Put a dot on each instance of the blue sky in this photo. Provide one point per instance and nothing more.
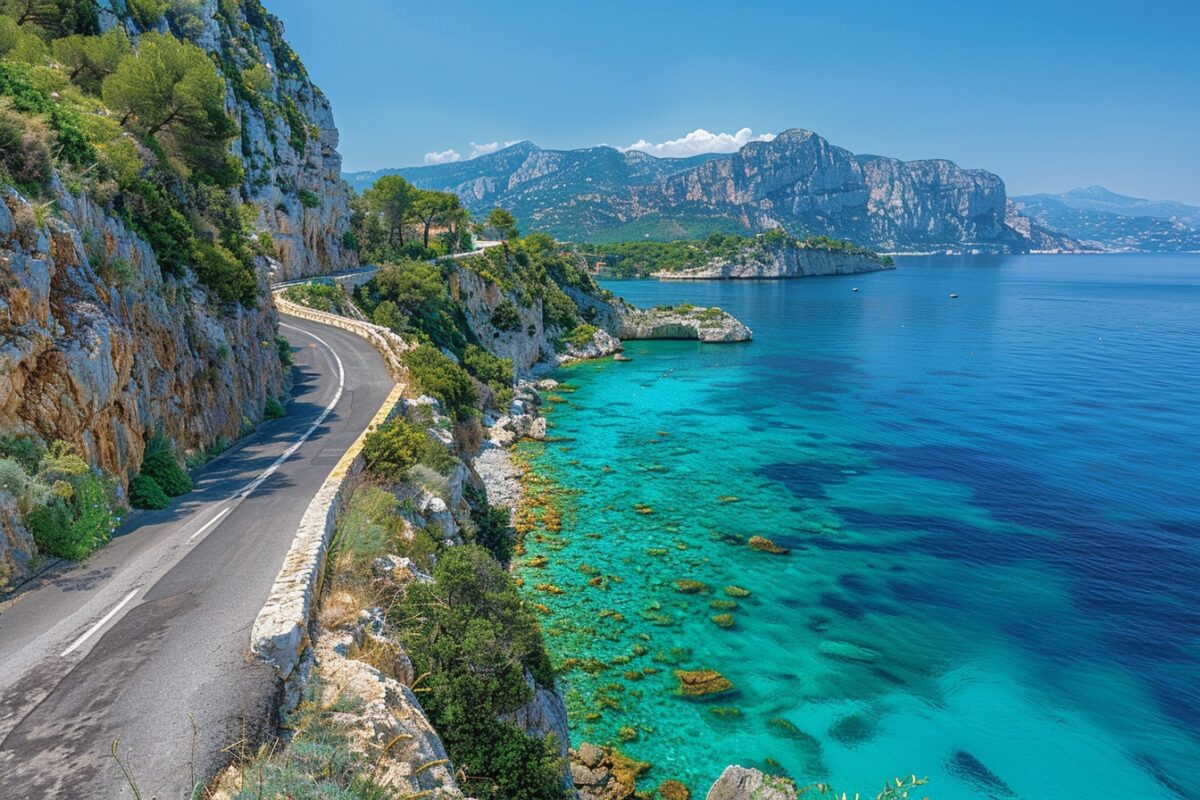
(1049, 95)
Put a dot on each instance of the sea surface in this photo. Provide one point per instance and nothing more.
(993, 510)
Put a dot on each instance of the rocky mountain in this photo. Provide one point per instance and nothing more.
(1105, 220)
(798, 181)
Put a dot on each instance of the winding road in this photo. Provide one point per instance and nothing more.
(148, 641)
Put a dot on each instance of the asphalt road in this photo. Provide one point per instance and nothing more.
(149, 640)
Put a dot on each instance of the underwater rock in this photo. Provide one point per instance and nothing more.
(723, 620)
(737, 591)
(852, 730)
(765, 545)
(972, 770)
(702, 682)
(848, 651)
(686, 586)
(674, 790)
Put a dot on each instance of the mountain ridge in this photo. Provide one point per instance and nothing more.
(797, 181)
(1105, 220)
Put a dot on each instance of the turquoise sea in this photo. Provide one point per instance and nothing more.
(993, 510)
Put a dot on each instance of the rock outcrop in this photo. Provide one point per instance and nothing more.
(288, 141)
(740, 783)
(798, 181)
(682, 322)
(763, 260)
(98, 350)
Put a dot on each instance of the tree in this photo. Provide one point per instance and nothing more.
(504, 224)
(391, 198)
(55, 17)
(170, 91)
(435, 208)
(470, 631)
(91, 59)
(169, 85)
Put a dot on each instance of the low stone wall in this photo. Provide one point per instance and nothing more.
(279, 636)
(389, 344)
(280, 633)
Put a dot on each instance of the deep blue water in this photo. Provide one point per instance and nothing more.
(995, 497)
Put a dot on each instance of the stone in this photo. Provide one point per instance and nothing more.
(590, 755)
(765, 545)
(702, 682)
(740, 783)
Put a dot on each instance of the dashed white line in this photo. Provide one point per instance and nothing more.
(210, 523)
(245, 492)
(328, 409)
(99, 624)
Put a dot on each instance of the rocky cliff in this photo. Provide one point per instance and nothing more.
(785, 260)
(288, 140)
(798, 181)
(98, 349)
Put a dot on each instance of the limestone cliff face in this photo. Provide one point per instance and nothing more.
(288, 143)
(98, 350)
(798, 181)
(288, 140)
(801, 181)
(785, 261)
(526, 344)
(100, 359)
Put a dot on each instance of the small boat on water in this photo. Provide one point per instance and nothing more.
(855, 289)
(953, 296)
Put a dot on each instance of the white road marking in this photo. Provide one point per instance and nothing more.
(249, 488)
(100, 624)
(210, 523)
(328, 409)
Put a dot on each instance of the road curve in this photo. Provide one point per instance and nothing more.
(151, 636)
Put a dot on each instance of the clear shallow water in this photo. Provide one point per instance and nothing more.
(996, 499)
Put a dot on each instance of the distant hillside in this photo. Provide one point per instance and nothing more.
(1108, 221)
(798, 182)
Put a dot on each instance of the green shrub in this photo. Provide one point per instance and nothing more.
(470, 630)
(505, 317)
(308, 198)
(273, 409)
(580, 335)
(440, 377)
(50, 526)
(229, 276)
(496, 372)
(144, 492)
(284, 348)
(492, 525)
(397, 446)
(160, 465)
(321, 295)
(72, 528)
(22, 449)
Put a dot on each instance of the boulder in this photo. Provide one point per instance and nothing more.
(740, 783)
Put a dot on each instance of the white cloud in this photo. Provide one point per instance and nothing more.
(478, 150)
(699, 141)
(444, 157)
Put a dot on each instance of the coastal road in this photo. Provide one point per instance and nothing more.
(149, 640)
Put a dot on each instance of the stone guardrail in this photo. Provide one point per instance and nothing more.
(279, 636)
(389, 344)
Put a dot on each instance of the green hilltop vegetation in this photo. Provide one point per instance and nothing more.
(640, 259)
(142, 130)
